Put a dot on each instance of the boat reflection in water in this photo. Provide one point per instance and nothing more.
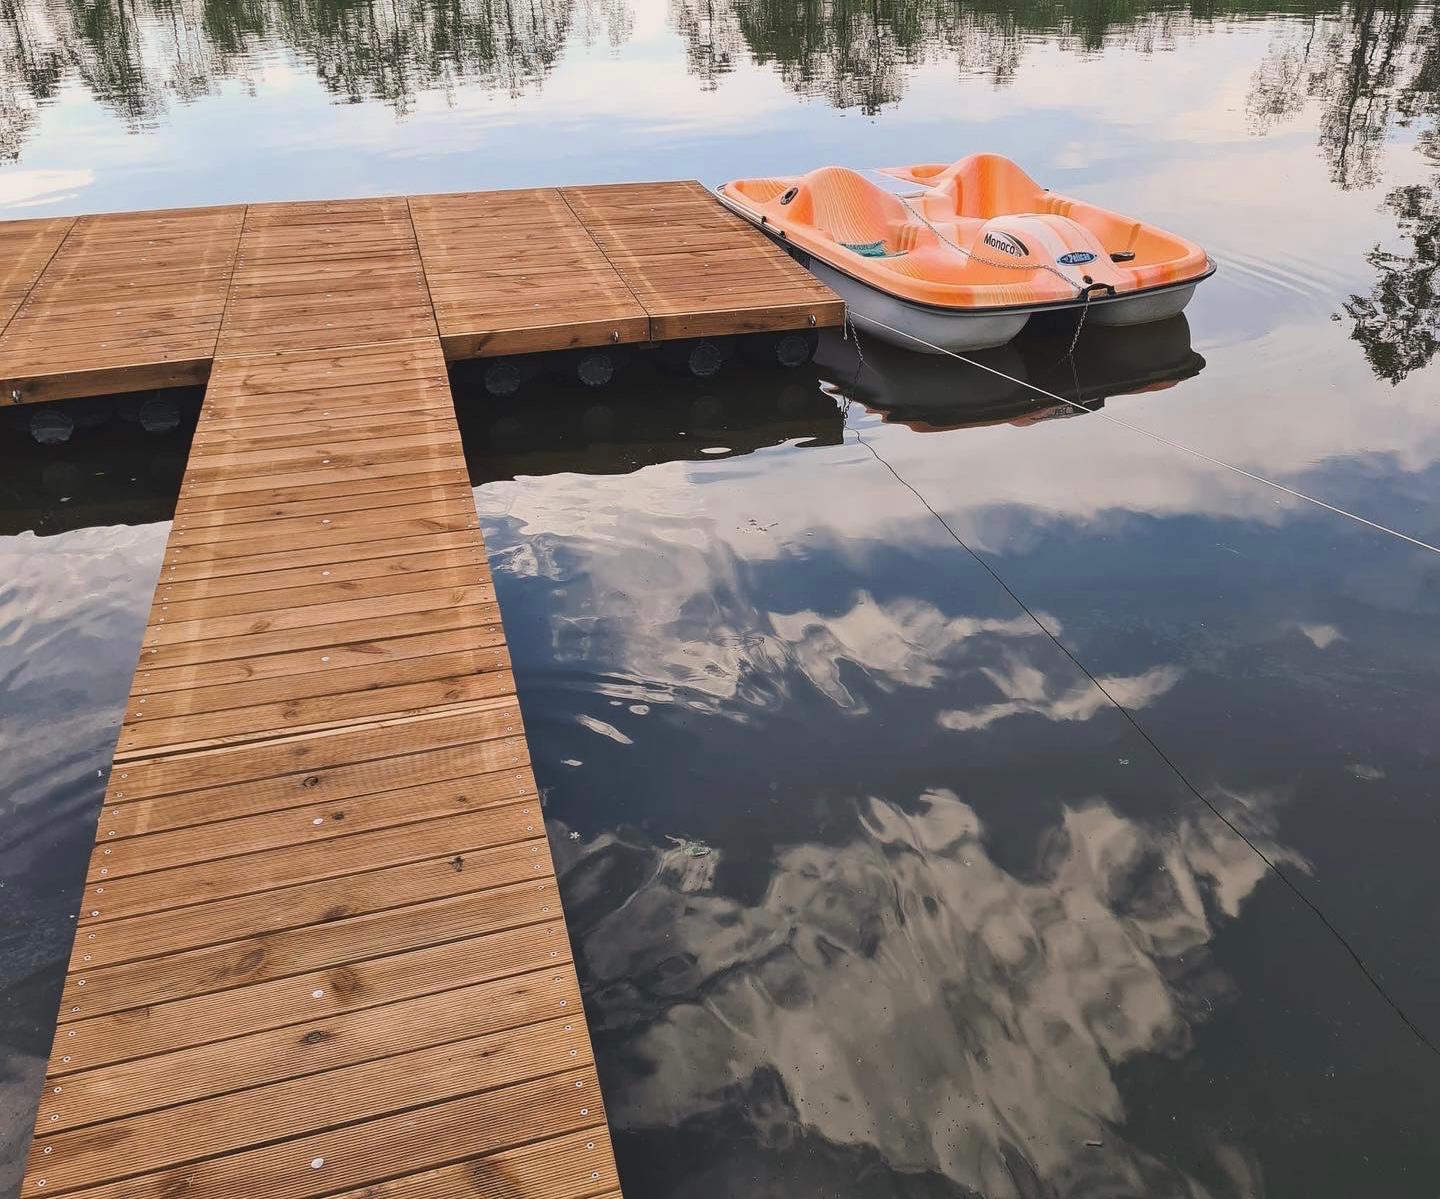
(931, 394)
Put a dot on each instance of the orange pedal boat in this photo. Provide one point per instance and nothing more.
(959, 257)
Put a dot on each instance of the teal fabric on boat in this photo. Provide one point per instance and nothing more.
(870, 249)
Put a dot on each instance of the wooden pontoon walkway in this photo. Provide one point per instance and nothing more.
(97, 304)
(321, 950)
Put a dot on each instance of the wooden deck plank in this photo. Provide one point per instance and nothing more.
(189, 563)
(386, 476)
(232, 519)
(322, 276)
(216, 969)
(26, 248)
(229, 1123)
(166, 1027)
(354, 1155)
(268, 590)
(235, 917)
(320, 700)
(337, 684)
(228, 461)
(214, 870)
(170, 629)
(378, 656)
(320, 591)
(460, 688)
(47, 385)
(428, 449)
(439, 616)
(361, 402)
(321, 785)
(350, 576)
(307, 755)
(578, 1166)
(454, 781)
(367, 1049)
(402, 414)
(337, 535)
(339, 522)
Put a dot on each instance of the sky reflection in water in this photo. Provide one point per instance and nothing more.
(873, 892)
(957, 918)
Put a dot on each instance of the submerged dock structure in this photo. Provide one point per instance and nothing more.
(321, 950)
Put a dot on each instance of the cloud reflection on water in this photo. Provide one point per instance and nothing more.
(909, 994)
(893, 987)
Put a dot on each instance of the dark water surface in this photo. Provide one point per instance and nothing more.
(956, 793)
(875, 890)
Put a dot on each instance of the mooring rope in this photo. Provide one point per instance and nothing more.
(1158, 437)
(1125, 712)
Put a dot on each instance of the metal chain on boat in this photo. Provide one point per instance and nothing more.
(852, 335)
(1080, 324)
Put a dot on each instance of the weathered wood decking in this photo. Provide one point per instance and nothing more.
(321, 949)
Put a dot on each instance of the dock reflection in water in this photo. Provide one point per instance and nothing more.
(873, 891)
(94, 462)
(643, 420)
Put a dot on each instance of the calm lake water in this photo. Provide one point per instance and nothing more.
(956, 793)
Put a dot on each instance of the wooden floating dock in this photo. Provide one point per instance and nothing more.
(321, 950)
(99, 304)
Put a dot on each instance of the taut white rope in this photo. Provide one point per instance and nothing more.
(1163, 440)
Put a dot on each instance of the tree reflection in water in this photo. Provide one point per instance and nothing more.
(1369, 68)
(1369, 64)
(1398, 322)
(849, 54)
(136, 58)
